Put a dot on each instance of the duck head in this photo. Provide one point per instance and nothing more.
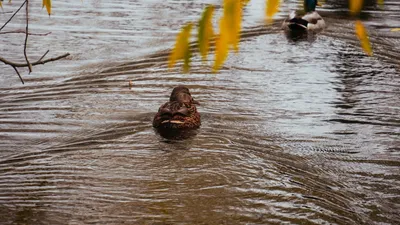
(310, 5)
(179, 113)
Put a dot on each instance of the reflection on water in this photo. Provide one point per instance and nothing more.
(292, 132)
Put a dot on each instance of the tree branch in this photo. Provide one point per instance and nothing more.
(44, 55)
(39, 62)
(23, 32)
(19, 75)
(13, 15)
(28, 64)
(26, 36)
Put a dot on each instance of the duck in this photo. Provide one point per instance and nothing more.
(179, 113)
(308, 20)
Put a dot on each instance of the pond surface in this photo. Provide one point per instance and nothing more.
(300, 132)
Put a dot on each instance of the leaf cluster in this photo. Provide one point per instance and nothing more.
(230, 27)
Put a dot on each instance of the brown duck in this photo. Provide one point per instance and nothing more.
(179, 113)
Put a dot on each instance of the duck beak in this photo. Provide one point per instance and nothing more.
(298, 24)
(172, 121)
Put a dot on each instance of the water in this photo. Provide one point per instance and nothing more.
(292, 132)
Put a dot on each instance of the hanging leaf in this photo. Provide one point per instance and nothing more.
(355, 6)
(237, 25)
(380, 3)
(48, 6)
(205, 31)
(186, 59)
(229, 28)
(272, 7)
(395, 29)
(245, 2)
(43, 3)
(232, 22)
(182, 48)
(321, 3)
(362, 35)
(1, 4)
(221, 45)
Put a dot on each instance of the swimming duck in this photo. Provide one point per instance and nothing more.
(310, 21)
(179, 113)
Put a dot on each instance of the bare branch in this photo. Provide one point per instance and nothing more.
(28, 64)
(15, 13)
(19, 75)
(44, 55)
(23, 32)
(26, 36)
(39, 62)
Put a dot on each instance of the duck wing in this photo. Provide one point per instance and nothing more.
(315, 21)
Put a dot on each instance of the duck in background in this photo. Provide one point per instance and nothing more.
(304, 21)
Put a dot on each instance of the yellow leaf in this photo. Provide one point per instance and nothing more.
(221, 45)
(43, 3)
(272, 7)
(395, 29)
(380, 3)
(362, 35)
(186, 60)
(1, 6)
(205, 31)
(238, 26)
(182, 48)
(355, 6)
(229, 28)
(232, 22)
(48, 6)
(244, 2)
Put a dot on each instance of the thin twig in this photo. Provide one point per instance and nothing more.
(13, 14)
(43, 55)
(23, 32)
(5, 61)
(19, 75)
(26, 36)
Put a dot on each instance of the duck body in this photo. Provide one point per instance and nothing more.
(179, 113)
(309, 20)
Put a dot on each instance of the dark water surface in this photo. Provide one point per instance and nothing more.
(293, 132)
